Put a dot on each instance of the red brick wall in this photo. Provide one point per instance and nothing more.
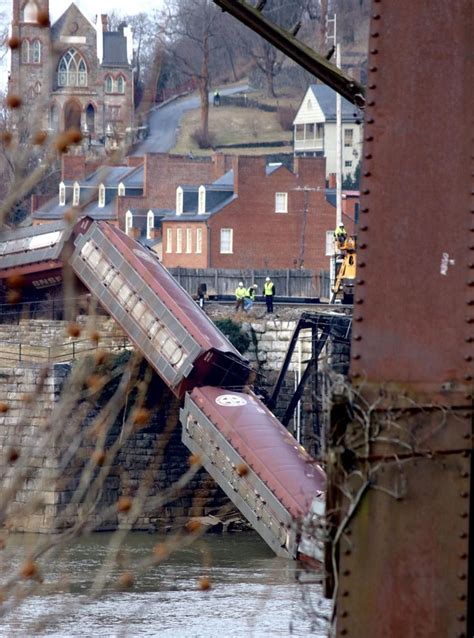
(183, 259)
(263, 238)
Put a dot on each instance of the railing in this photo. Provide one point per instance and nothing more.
(20, 352)
(315, 144)
(56, 309)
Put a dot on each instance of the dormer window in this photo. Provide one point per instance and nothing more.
(62, 194)
(202, 200)
(101, 196)
(179, 201)
(150, 224)
(121, 189)
(76, 192)
(128, 222)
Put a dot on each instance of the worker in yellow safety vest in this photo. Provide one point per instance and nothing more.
(240, 293)
(269, 293)
(340, 234)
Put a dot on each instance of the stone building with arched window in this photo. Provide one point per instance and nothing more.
(77, 73)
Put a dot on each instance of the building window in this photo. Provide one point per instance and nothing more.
(189, 240)
(329, 243)
(199, 240)
(169, 240)
(227, 240)
(72, 70)
(281, 202)
(36, 52)
(202, 200)
(348, 164)
(121, 190)
(128, 222)
(30, 11)
(179, 201)
(109, 84)
(76, 193)
(62, 194)
(120, 84)
(101, 196)
(179, 240)
(348, 137)
(309, 105)
(25, 51)
(150, 224)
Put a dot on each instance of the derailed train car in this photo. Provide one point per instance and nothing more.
(261, 467)
(160, 317)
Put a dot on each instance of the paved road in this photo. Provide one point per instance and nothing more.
(164, 122)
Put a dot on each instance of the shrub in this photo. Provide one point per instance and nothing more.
(202, 140)
(240, 340)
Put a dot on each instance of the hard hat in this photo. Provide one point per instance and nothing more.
(255, 286)
(341, 224)
(267, 279)
(241, 283)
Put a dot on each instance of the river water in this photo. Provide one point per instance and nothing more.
(252, 594)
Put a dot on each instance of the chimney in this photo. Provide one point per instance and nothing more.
(73, 167)
(105, 19)
(247, 170)
(219, 164)
(332, 180)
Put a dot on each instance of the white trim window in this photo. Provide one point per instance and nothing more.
(348, 137)
(101, 196)
(76, 194)
(109, 84)
(36, 52)
(281, 202)
(227, 241)
(179, 201)
(72, 69)
(120, 84)
(198, 241)
(121, 190)
(202, 200)
(189, 240)
(169, 240)
(179, 240)
(150, 224)
(330, 252)
(128, 222)
(62, 194)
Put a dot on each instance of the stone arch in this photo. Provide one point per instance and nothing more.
(72, 114)
(90, 117)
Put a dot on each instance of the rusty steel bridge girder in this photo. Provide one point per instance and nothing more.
(400, 469)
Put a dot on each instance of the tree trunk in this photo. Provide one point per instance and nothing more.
(204, 90)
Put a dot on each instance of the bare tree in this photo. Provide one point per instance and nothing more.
(193, 26)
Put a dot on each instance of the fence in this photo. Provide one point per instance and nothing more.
(296, 283)
(12, 352)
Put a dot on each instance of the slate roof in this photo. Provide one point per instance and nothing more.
(326, 98)
(115, 49)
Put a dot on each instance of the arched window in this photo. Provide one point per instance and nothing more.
(101, 196)
(121, 189)
(54, 118)
(30, 11)
(76, 193)
(128, 222)
(120, 84)
(179, 201)
(62, 194)
(202, 200)
(72, 70)
(36, 52)
(150, 223)
(25, 51)
(109, 84)
(90, 118)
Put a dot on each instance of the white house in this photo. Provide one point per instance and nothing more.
(315, 129)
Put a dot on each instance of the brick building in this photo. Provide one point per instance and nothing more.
(254, 216)
(72, 73)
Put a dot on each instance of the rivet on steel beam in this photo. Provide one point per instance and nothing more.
(468, 358)
(364, 228)
(368, 156)
(468, 377)
(346, 572)
(362, 264)
(470, 302)
(468, 320)
(356, 356)
(370, 120)
(464, 474)
(365, 191)
(345, 593)
(470, 283)
(372, 86)
(374, 51)
(462, 576)
(347, 552)
(465, 453)
(461, 635)
(357, 338)
(466, 436)
(462, 597)
(369, 138)
(463, 535)
(376, 16)
(360, 282)
(344, 614)
(461, 617)
(463, 556)
(375, 34)
(463, 514)
(365, 209)
(359, 301)
(343, 631)
(469, 339)
(362, 246)
(348, 532)
(371, 103)
(359, 319)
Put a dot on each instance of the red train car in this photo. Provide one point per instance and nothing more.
(160, 317)
(270, 477)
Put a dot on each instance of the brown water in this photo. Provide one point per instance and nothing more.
(253, 593)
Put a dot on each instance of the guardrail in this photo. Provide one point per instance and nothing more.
(17, 352)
